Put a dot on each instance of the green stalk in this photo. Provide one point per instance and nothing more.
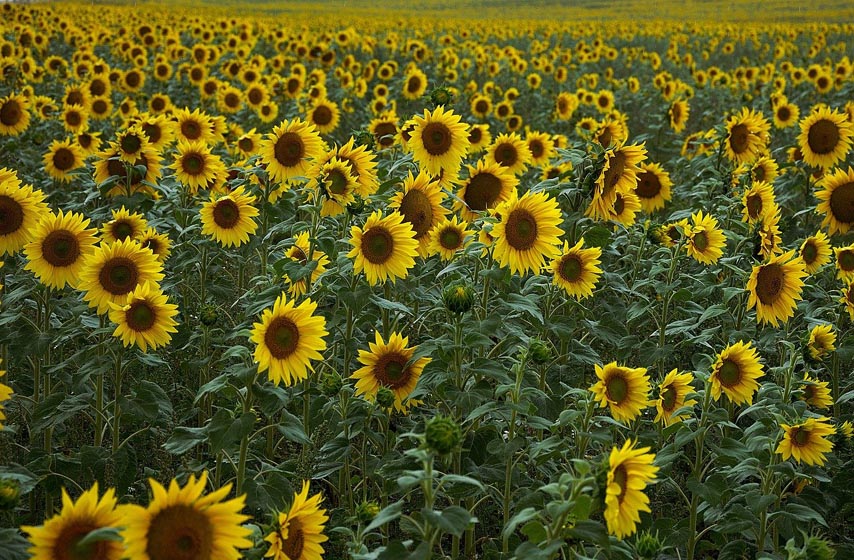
(117, 412)
(244, 442)
(511, 435)
(697, 472)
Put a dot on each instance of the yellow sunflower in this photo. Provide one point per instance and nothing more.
(816, 393)
(184, 522)
(479, 138)
(821, 341)
(747, 136)
(287, 151)
(511, 152)
(130, 143)
(112, 271)
(439, 142)
(63, 157)
(844, 262)
(653, 187)
(415, 84)
(848, 299)
(195, 166)
(385, 248)
(775, 287)
(298, 252)
(335, 184)
(146, 319)
(576, 270)
(14, 115)
(837, 201)
(528, 232)
(619, 175)
(815, 252)
(626, 207)
(58, 538)
(805, 442)
(5, 395)
(21, 209)
(541, 146)
(758, 201)
(324, 115)
(488, 186)
(384, 129)
(768, 231)
(825, 137)
(786, 115)
(420, 203)
(159, 243)
(705, 242)
(287, 339)
(448, 237)
(193, 126)
(228, 218)
(678, 113)
(624, 390)
(124, 225)
(480, 105)
(389, 365)
(764, 169)
(630, 470)
(735, 372)
(75, 119)
(298, 534)
(59, 247)
(672, 393)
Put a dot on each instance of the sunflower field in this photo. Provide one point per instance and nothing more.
(475, 281)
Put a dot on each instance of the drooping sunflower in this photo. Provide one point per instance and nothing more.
(768, 240)
(619, 175)
(14, 115)
(626, 207)
(298, 534)
(528, 232)
(298, 252)
(623, 389)
(287, 151)
(816, 393)
(488, 185)
(704, 240)
(287, 339)
(775, 287)
(420, 203)
(362, 163)
(21, 209)
(630, 470)
(184, 523)
(448, 237)
(228, 218)
(844, 262)
(112, 271)
(735, 372)
(805, 442)
(389, 365)
(747, 136)
(815, 251)
(124, 225)
(672, 393)
(61, 158)
(385, 248)
(653, 186)
(195, 166)
(511, 152)
(837, 201)
(821, 341)
(439, 141)
(159, 243)
(576, 269)
(146, 319)
(825, 137)
(59, 247)
(60, 535)
(758, 201)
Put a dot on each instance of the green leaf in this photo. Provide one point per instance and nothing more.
(453, 520)
(109, 534)
(13, 544)
(291, 427)
(592, 532)
(183, 439)
(386, 516)
(523, 516)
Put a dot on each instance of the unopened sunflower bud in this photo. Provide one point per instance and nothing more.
(539, 351)
(441, 96)
(647, 545)
(10, 490)
(331, 383)
(385, 397)
(442, 434)
(458, 297)
(209, 315)
(367, 511)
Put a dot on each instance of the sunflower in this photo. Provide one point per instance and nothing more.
(146, 169)
(159, 243)
(672, 393)
(769, 242)
(479, 138)
(786, 115)
(844, 262)
(735, 372)
(247, 143)
(420, 203)
(324, 115)
(775, 287)
(825, 137)
(806, 442)
(131, 143)
(653, 186)
(146, 319)
(362, 166)
(297, 252)
(21, 209)
(528, 232)
(480, 106)
(816, 393)
(747, 136)
(626, 207)
(848, 299)
(75, 119)
(5, 395)
(159, 131)
(193, 126)
(389, 365)
(384, 129)
(837, 201)
(112, 271)
(624, 390)
(488, 185)
(63, 157)
(758, 201)
(60, 535)
(576, 270)
(821, 341)
(181, 522)
(678, 113)
(439, 141)
(541, 146)
(334, 183)
(610, 132)
(59, 247)
(14, 115)
(89, 143)
(630, 470)
(124, 225)
(511, 152)
(195, 166)
(385, 248)
(704, 241)
(619, 175)
(288, 149)
(415, 84)
(287, 339)
(228, 218)
(765, 169)
(298, 534)
(448, 237)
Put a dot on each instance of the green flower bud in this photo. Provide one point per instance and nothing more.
(458, 297)
(818, 549)
(648, 545)
(364, 138)
(366, 511)
(539, 351)
(441, 96)
(442, 434)
(10, 490)
(331, 383)
(385, 397)
(209, 315)
(356, 207)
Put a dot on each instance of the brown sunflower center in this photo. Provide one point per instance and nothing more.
(132, 79)
(845, 260)
(377, 245)
(191, 129)
(754, 206)
(282, 337)
(255, 96)
(823, 136)
(437, 138)
(60, 248)
(151, 243)
(418, 211)
(475, 136)
(648, 186)
(619, 205)
(621, 478)
(298, 255)
(322, 115)
(245, 144)
(232, 100)
(450, 238)
(180, 532)
(729, 373)
(784, 113)
(842, 203)
(385, 133)
(152, 132)
(99, 106)
(570, 268)
(481, 106)
(63, 159)
(289, 149)
(800, 436)
(226, 213)
(131, 143)
(668, 398)
(482, 191)
(336, 182)
(193, 164)
(141, 316)
(294, 544)
(521, 229)
(739, 138)
(74, 98)
(809, 392)
(809, 253)
(700, 241)
(506, 155)
(676, 112)
(617, 164)
(617, 388)
(121, 229)
(73, 118)
(11, 112)
(119, 276)
(769, 283)
(67, 545)
(391, 370)
(414, 84)
(759, 173)
(537, 148)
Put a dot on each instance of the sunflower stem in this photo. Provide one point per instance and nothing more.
(117, 411)
(515, 393)
(244, 441)
(697, 472)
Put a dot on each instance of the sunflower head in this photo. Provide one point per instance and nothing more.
(734, 373)
(625, 390)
